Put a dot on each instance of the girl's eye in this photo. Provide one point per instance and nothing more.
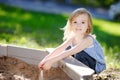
(75, 22)
(83, 22)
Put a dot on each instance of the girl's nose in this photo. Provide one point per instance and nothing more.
(78, 25)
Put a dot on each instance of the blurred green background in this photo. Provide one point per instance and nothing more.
(42, 30)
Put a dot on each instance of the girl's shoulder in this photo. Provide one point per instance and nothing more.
(89, 37)
(93, 36)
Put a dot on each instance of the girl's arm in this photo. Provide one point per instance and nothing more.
(57, 51)
(79, 47)
(60, 48)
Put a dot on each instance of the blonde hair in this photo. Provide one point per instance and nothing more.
(68, 28)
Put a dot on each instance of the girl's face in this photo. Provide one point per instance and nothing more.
(80, 24)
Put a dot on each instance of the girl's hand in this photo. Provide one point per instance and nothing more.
(48, 64)
(40, 65)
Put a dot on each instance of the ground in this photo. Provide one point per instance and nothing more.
(15, 69)
(108, 74)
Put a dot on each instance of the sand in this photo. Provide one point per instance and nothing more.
(15, 69)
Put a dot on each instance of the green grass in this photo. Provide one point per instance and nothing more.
(39, 28)
(42, 30)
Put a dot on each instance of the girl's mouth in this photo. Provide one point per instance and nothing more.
(78, 29)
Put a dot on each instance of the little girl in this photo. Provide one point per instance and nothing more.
(79, 43)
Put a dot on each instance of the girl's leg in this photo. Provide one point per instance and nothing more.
(86, 59)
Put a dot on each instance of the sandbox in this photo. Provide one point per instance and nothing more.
(15, 69)
(18, 63)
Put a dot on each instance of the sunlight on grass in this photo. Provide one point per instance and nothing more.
(17, 28)
(14, 15)
(26, 16)
(2, 24)
(112, 56)
(2, 12)
(111, 61)
(5, 25)
(107, 26)
(22, 41)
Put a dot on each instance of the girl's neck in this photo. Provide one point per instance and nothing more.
(78, 39)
